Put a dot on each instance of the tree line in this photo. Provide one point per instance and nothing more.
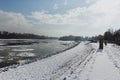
(73, 38)
(112, 36)
(109, 36)
(13, 35)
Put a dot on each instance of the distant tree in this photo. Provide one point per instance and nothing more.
(108, 35)
(78, 38)
(116, 37)
(8, 35)
(73, 38)
(67, 38)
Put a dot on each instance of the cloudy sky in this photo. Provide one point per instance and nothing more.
(60, 17)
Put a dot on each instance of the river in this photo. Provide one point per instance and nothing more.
(22, 53)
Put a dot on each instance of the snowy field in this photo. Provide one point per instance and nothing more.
(83, 62)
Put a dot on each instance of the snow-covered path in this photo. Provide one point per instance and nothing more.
(103, 69)
(84, 62)
(100, 66)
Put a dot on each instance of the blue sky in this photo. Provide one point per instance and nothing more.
(59, 17)
(28, 6)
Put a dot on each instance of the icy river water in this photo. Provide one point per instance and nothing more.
(20, 54)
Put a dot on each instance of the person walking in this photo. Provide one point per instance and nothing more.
(100, 43)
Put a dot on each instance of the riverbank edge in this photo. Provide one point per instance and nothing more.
(34, 60)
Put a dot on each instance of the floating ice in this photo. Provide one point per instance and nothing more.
(22, 49)
(26, 54)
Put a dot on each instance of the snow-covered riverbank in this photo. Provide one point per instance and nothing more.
(83, 62)
(44, 68)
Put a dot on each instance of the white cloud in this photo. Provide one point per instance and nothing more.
(90, 1)
(55, 6)
(101, 11)
(74, 16)
(98, 15)
(13, 22)
(92, 19)
(65, 2)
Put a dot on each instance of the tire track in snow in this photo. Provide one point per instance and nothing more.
(68, 71)
(114, 56)
(104, 69)
(80, 68)
(85, 73)
(96, 66)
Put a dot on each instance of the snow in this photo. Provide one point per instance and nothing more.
(23, 61)
(22, 49)
(104, 69)
(114, 55)
(1, 44)
(26, 54)
(1, 60)
(2, 48)
(101, 69)
(18, 46)
(11, 54)
(83, 62)
(45, 67)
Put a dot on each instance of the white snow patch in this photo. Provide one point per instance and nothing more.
(1, 44)
(22, 61)
(1, 60)
(22, 50)
(11, 54)
(104, 69)
(1, 57)
(18, 46)
(26, 54)
(2, 48)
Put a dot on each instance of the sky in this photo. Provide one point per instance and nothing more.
(59, 17)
